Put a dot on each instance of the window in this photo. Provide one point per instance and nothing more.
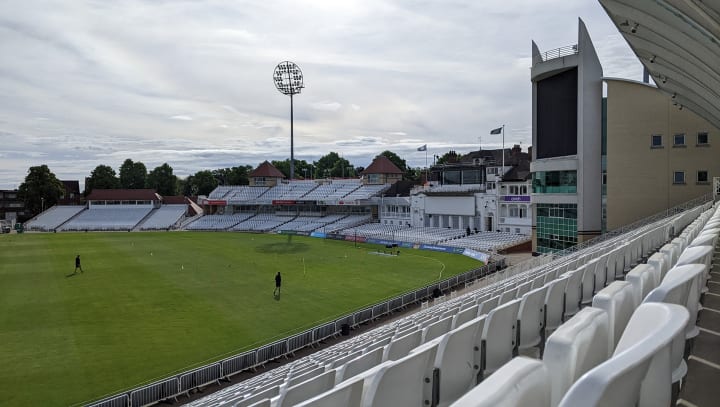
(702, 138)
(656, 141)
(679, 177)
(517, 230)
(679, 140)
(702, 177)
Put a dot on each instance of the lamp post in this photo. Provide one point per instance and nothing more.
(42, 204)
(289, 81)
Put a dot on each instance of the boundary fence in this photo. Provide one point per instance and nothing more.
(183, 383)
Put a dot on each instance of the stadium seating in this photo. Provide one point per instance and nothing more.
(476, 335)
(519, 383)
(118, 217)
(164, 217)
(53, 217)
(218, 222)
(638, 373)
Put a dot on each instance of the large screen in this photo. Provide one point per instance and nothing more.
(557, 115)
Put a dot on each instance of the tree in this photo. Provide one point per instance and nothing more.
(399, 162)
(332, 165)
(233, 176)
(163, 180)
(102, 177)
(301, 168)
(133, 175)
(201, 183)
(41, 189)
(448, 158)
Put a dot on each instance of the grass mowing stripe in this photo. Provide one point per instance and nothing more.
(149, 305)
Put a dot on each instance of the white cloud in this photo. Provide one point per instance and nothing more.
(190, 83)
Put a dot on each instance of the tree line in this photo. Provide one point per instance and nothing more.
(42, 188)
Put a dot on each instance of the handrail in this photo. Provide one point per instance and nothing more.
(556, 53)
(637, 224)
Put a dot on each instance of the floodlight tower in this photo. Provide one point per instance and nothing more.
(289, 81)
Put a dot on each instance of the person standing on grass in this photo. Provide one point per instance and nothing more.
(278, 282)
(77, 264)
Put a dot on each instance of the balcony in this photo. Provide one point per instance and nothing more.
(565, 51)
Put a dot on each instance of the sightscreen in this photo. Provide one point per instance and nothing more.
(557, 115)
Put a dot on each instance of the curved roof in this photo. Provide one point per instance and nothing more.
(678, 41)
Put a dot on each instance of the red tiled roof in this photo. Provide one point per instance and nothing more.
(123, 195)
(267, 170)
(382, 165)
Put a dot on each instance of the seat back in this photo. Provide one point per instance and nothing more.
(405, 382)
(347, 393)
(705, 239)
(618, 301)
(580, 344)
(642, 279)
(639, 372)
(359, 365)
(499, 336)
(464, 316)
(573, 292)
(531, 318)
(401, 346)
(458, 360)
(488, 305)
(307, 389)
(555, 303)
(436, 329)
(588, 283)
(696, 255)
(671, 254)
(520, 382)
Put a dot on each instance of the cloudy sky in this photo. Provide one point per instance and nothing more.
(189, 82)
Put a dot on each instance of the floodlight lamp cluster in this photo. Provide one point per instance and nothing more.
(288, 78)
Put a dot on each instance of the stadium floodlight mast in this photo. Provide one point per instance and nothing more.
(289, 81)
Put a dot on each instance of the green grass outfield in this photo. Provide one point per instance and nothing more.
(150, 305)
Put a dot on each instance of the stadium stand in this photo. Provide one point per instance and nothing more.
(463, 350)
(118, 218)
(244, 194)
(218, 222)
(165, 217)
(53, 218)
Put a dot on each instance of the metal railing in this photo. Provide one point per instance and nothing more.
(556, 53)
(693, 203)
(183, 383)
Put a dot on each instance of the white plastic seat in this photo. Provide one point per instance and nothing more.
(671, 254)
(358, 365)
(612, 268)
(531, 320)
(488, 305)
(523, 289)
(458, 360)
(405, 382)
(499, 337)
(347, 393)
(698, 255)
(436, 329)
(676, 288)
(642, 279)
(587, 284)
(580, 344)
(660, 266)
(639, 372)
(618, 300)
(307, 389)
(555, 304)
(705, 239)
(401, 346)
(519, 383)
(573, 292)
(464, 316)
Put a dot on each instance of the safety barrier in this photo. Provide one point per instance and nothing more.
(239, 363)
(162, 390)
(200, 377)
(183, 383)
